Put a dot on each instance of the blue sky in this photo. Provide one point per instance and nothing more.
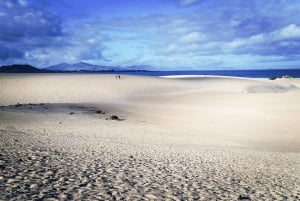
(166, 34)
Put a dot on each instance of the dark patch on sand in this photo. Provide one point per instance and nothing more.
(114, 118)
(59, 108)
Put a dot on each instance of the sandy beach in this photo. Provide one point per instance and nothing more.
(94, 137)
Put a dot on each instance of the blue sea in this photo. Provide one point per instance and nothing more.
(239, 73)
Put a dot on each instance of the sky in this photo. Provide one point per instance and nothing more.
(164, 34)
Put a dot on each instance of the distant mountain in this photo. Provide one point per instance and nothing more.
(58, 66)
(81, 66)
(20, 68)
(70, 68)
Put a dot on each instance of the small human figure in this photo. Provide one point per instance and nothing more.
(119, 76)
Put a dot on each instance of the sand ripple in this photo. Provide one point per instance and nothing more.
(123, 171)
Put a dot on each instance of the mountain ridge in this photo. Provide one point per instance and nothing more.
(21, 68)
(82, 66)
(66, 68)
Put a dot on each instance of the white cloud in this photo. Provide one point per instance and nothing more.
(192, 37)
(288, 32)
(187, 2)
(23, 2)
(8, 4)
(259, 43)
(190, 48)
(253, 40)
(170, 48)
(291, 31)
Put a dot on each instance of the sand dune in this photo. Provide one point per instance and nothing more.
(94, 88)
(179, 138)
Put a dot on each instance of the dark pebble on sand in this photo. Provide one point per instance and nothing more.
(2, 165)
(99, 112)
(244, 197)
(83, 185)
(113, 117)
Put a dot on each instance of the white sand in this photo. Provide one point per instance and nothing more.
(181, 138)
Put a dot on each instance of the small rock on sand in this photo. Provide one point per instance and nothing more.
(150, 196)
(33, 186)
(113, 117)
(99, 112)
(244, 197)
